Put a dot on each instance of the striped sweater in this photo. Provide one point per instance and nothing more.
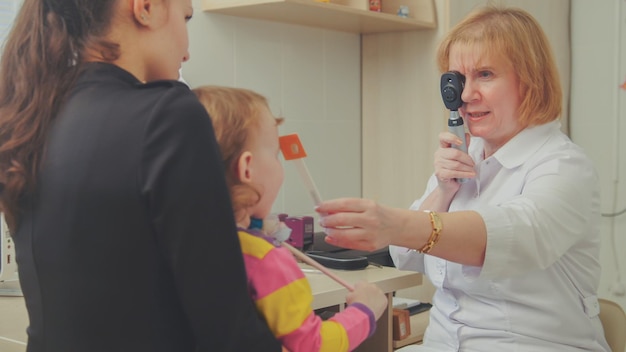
(283, 297)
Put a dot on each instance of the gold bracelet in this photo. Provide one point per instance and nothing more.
(435, 222)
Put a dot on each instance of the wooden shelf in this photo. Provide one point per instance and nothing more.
(326, 15)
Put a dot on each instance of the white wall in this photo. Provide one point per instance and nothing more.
(598, 118)
(312, 77)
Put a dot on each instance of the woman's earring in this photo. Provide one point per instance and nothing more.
(143, 17)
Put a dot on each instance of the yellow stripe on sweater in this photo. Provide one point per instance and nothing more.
(286, 308)
(334, 337)
(254, 246)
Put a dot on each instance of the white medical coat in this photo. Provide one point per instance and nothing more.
(536, 291)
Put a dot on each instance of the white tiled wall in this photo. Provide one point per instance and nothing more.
(311, 76)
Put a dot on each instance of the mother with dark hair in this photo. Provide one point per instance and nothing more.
(113, 187)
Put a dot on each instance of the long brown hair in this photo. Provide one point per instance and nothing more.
(516, 36)
(41, 60)
(235, 113)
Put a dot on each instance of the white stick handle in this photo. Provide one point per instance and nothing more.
(308, 181)
(317, 266)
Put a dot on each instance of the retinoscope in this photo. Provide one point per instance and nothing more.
(452, 84)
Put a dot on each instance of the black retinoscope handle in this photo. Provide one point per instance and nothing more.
(452, 84)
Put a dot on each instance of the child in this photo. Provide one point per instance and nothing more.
(247, 134)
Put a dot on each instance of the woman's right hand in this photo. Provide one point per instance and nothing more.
(451, 163)
(369, 295)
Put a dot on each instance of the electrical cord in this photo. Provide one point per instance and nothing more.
(612, 215)
(617, 288)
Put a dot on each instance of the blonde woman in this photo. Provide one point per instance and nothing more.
(514, 252)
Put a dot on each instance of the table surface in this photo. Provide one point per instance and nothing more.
(326, 293)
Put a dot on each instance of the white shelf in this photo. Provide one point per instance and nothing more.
(326, 15)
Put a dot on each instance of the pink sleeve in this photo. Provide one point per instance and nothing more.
(283, 296)
(359, 322)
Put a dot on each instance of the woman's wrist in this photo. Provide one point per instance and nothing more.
(438, 200)
(415, 230)
(437, 227)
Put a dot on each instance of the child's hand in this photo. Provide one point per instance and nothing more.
(369, 295)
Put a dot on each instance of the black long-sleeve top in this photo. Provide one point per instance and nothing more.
(128, 242)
